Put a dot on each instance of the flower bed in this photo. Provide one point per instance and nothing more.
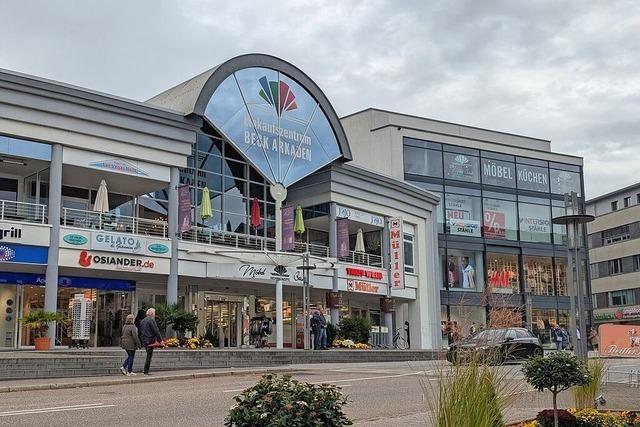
(584, 418)
(349, 344)
(191, 343)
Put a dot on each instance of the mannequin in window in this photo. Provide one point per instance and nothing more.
(468, 274)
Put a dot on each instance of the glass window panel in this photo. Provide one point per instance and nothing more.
(461, 167)
(498, 172)
(215, 222)
(209, 145)
(561, 276)
(235, 169)
(235, 187)
(236, 205)
(420, 161)
(535, 223)
(499, 219)
(559, 231)
(463, 214)
(255, 176)
(565, 182)
(533, 178)
(464, 270)
(503, 272)
(235, 223)
(210, 180)
(256, 190)
(538, 275)
(210, 163)
(271, 211)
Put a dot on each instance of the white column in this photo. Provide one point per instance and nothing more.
(172, 280)
(279, 194)
(279, 317)
(333, 252)
(388, 322)
(54, 208)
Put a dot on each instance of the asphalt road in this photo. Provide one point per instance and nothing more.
(381, 394)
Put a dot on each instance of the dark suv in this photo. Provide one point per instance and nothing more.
(496, 346)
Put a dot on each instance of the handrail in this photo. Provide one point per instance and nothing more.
(23, 212)
(312, 249)
(112, 222)
(362, 258)
(210, 236)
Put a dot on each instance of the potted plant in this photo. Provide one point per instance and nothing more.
(38, 321)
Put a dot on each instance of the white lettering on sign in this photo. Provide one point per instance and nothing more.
(397, 253)
(295, 144)
(496, 171)
(359, 216)
(527, 175)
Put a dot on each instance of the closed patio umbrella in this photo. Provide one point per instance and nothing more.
(205, 205)
(102, 198)
(359, 241)
(298, 223)
(255, 221)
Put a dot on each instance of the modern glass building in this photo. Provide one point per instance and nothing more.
(500, 257)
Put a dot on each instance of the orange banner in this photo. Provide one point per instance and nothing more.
(620, 340)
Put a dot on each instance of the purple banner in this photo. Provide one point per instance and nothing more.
(184, 209)
(288, 241)
(342, 225)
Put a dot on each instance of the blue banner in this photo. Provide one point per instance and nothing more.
(10, 253)
(68, 281)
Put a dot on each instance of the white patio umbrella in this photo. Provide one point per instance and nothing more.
(102, 198)
(359, 241)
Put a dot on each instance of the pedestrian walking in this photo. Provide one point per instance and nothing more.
(558, 338)
(323, 332)
(150, 335)
(130, 343)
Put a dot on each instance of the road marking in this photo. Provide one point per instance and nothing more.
(54, 409)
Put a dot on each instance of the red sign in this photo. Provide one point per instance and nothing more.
(397, 253)
(494, 224)
(362, 286)
(361, 272)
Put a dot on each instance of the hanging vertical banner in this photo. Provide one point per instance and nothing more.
(288, 241)
(397, 253)
(342, 226)
(184, 209)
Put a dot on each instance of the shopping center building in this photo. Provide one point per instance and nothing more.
(500, 256)
(246, 136)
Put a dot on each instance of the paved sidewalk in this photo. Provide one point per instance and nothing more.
(97, 381)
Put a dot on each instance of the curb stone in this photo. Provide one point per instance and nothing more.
(177, 377)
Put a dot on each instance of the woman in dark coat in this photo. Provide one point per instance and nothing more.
(130, 343)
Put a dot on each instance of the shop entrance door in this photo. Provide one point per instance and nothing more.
(9, 311)
(223, 322)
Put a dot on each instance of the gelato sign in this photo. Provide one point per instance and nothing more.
(111, 242)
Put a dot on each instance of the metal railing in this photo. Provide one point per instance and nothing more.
(362, 258)
(111, 222)
(23, 212)
(312, 249)
(622, 375)
(210, 236)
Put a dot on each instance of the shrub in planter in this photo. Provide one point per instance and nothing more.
(332, 332)
(282, 401)
(356, 329)
(565, 418)
(39, 321)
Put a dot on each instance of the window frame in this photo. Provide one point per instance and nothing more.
(409, 239)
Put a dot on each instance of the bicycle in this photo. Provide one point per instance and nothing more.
(399, 341)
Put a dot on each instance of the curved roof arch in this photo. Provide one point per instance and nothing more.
(287, 114)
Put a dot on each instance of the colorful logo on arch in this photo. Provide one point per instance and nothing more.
(278, 94)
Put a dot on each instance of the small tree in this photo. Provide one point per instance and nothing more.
(356, 329)
(177, 317)
(558, 372)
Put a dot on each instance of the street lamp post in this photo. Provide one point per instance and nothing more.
(306, 269)
(573, 220)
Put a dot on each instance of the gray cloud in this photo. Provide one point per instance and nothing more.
(560, 70)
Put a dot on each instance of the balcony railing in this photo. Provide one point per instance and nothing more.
(227, 238)
(363, 259)
(316, 250)
(23, 212)
(114, 223)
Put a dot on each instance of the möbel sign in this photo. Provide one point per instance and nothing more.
(397, 253)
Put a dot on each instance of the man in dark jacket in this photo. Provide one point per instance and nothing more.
(149, 335)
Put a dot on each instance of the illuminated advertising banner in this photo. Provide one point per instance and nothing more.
(274, 122)
(397, 253)
(619, 340)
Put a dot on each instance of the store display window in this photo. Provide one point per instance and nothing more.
(464, 215)
(499, 219)
(535, 223)
(542, 322)
(461, 167)
(561, 276)
(538, 275)
(503, 273)
(463, 270)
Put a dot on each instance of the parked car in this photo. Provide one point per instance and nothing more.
(496, 346)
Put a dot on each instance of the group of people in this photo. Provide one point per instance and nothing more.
(319, 323)
(138, 332)
(561, 337)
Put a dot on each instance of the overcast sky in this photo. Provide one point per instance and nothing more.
(567, 71)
